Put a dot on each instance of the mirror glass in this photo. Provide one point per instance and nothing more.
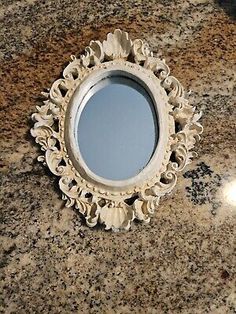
(117, 130)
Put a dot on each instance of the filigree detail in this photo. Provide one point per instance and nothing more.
(94, 54)
(158, 67)
(141, 51)
(93, 200)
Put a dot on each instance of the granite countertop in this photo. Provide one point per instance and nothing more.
(184, 260)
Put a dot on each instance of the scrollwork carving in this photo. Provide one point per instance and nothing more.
(93, 200)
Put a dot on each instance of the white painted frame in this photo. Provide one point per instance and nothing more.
(79, 100)
(115, 203)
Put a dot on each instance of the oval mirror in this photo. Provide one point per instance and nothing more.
(116, 129)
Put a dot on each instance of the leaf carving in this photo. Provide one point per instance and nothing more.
(140, 51)
(94, 54)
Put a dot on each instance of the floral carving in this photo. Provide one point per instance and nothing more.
(115, 209)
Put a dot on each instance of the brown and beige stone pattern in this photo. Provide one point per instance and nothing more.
(184, 261)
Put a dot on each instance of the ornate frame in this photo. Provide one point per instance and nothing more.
(116, 203)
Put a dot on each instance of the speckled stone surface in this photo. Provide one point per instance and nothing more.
(185, 260)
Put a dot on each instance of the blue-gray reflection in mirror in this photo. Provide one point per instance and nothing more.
(118, 130)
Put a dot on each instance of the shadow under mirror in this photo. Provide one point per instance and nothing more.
(117, 131)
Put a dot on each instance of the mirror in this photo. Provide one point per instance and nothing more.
(117, 129)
